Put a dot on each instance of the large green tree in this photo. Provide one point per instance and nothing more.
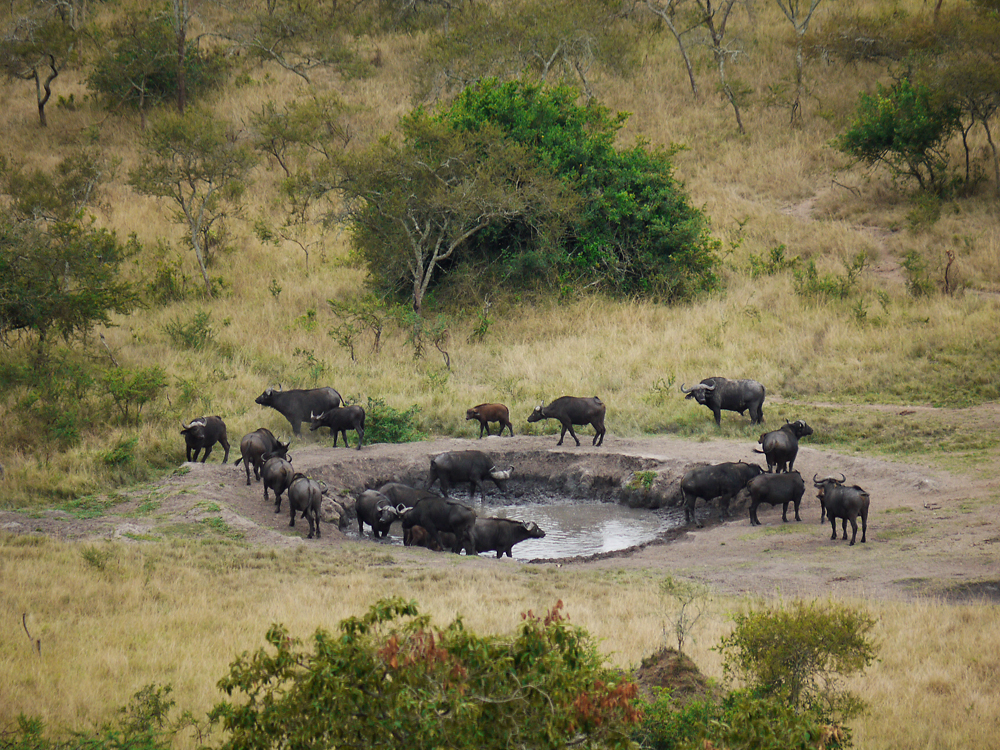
(416, 204)
(635, 233)
(61, 279)
(137, 66)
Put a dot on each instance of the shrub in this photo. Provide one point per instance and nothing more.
(799, 653)
(384, 424)
(743, 720)
(195, 334)
(131, 390)
(389, 679)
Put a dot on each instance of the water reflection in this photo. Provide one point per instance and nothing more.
(577, 529)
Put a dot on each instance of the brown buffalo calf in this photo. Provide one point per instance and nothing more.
(487, 413)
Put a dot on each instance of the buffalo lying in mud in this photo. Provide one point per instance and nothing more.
(847, 503)
(722, 481)
(296, 405)
(204, 432)
(781, 446)
(722, 394)
(571, 410)
(776, 489)
(255, 446)
(340, 420)
(474, 467)
(486, 413)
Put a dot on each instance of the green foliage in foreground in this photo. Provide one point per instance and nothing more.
(390, 679)
(385, 424)
(743, 720)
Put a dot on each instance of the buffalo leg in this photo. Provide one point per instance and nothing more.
(291, 507)
(854, 530)
(784, 513)
(572, 435)
(754, 521)
(797, 512)
(864, 527)
(844, 527)
(833, 525)
(361, 439)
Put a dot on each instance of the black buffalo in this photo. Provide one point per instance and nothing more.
(376, 510)
(204, 432)
(501, 534)
(474, 467)
(255, 446)
(439, 515)
(340, 420)
(276, 475)
(571, 410)
(776, 489)
(402, 494)
(722, 481)
(781, 446)
(847, 503)
(305, 496)
(296, 405)
(720, 394)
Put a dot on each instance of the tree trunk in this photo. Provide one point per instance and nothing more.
(180, 16)
(43, 90)
(996, 157)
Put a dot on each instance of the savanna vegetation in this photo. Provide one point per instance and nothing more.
(428, 205)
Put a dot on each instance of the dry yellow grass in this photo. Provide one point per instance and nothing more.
(179, 614)
(112, 618)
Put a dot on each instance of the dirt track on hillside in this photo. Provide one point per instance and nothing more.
(929, 533)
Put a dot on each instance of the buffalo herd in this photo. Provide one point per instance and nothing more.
(440, 522)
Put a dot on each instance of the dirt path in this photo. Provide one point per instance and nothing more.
(930, 532)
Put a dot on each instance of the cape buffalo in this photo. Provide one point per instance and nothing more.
(776, 489)
(722, 481)
(474, 467)
(305, 495)
(486, 413)
(340, 420)
(720, 394)
(501, 534)
(847, 503)
(571, 410)
(781, 446)
(296, 405)
(418, 536)
(277, 475)
(204, 432)
(439, 515)
(402, 494)
(376, 510)
(254, 446)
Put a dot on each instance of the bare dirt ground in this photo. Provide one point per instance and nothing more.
(930, 533)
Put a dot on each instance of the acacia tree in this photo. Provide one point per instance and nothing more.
(413, 205)
(799, 17)
(715, 19)
(671, 12)
(38, 44)
(202, 167)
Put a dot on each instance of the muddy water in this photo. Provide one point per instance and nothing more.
(574, 529)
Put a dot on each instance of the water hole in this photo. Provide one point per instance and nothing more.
(573, 527)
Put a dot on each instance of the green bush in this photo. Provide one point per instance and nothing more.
(799, 653)
(384, 424)
(131, 390)
(636, 231)
(741, 721)
(906, 128)
(196, 333)
(390, 679)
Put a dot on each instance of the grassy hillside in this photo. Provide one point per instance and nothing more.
(828, 360)
(778, 186)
